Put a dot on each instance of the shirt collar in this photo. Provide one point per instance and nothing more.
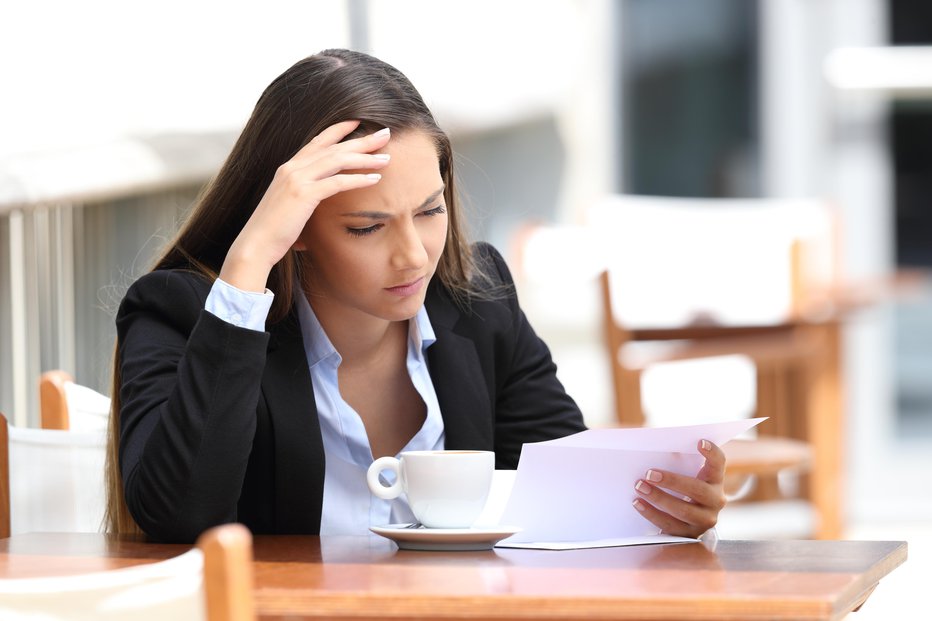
(318, 345)
(316, 342)
(420, 331)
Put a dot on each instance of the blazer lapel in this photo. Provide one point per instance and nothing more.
(456, 373)
(299, 449)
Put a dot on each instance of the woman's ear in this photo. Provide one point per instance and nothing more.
(299, 246)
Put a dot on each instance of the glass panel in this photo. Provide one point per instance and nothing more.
(689, 92)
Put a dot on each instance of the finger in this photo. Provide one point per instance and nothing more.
(332, 163)
(368, 143)
(687, 511)
(713, 470)
(664, 521)
(333, 136)
(686, 487)
(325, 188)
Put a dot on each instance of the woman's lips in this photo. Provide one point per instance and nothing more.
(407, 289)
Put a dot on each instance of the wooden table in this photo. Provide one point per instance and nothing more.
(369, 578)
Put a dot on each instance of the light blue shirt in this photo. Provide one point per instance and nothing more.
(348, 506)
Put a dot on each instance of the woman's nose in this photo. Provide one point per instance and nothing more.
(409, 251)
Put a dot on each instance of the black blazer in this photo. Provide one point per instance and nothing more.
(219, 423)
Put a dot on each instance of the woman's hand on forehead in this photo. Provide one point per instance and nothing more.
(322, 168)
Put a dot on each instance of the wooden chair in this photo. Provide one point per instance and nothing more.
(63, 404)
(227, 568)
(213, 582)
(51, 480)
(775, 355)
(228, 573)
(53, 399)
(795, 357)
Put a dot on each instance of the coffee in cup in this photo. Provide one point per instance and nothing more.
(445, 489)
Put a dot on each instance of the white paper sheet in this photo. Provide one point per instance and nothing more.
(598, 543)
(577, 491)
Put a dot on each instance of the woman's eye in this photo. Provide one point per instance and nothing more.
(436, 211)
(363, 231)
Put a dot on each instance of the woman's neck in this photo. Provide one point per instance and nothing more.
(359, 338)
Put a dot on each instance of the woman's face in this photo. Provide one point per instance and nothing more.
(374, 250)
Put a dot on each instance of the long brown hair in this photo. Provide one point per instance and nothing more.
(321, 90)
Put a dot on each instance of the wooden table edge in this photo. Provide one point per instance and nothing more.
(283, 603)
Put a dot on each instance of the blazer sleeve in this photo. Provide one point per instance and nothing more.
(189, 388)
(531, 404)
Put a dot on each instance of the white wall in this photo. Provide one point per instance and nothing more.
(90, 71)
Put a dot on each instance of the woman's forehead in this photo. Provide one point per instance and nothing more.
(411, 178)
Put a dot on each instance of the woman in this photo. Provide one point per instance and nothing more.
(322, 307)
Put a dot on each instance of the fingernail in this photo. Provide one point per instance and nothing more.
(653, 475)
(638, 505)
(642, 487)
(382, 156)
(383, 132)
(705, 445)
(374, 176)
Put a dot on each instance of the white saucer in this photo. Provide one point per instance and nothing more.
(482, 538)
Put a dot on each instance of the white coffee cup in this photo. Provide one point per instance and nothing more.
(445, 489)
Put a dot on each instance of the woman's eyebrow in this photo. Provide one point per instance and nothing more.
(381, 215)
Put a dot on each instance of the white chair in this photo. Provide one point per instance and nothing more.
(64, 404)
(55, 480)
(212, 582)
(659, 264)
(706, 299)
(724, 262)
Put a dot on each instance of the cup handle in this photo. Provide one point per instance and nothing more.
(375, 485)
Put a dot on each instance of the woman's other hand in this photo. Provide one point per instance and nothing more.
(682, 505)
(315, 173)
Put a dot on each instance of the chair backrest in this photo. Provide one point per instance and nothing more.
(161, 590)
(680, 261)
(53, 400)
(228, 573)
(697, 294)
(212, 582)
(54, 480)
(63, 404)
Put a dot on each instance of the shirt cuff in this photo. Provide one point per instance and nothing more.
(244, 309)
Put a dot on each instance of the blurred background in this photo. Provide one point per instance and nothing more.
(114, 115)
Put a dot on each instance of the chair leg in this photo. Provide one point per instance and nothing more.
(630, 410)
(825, 430)
(769, 404)
(798, 422)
